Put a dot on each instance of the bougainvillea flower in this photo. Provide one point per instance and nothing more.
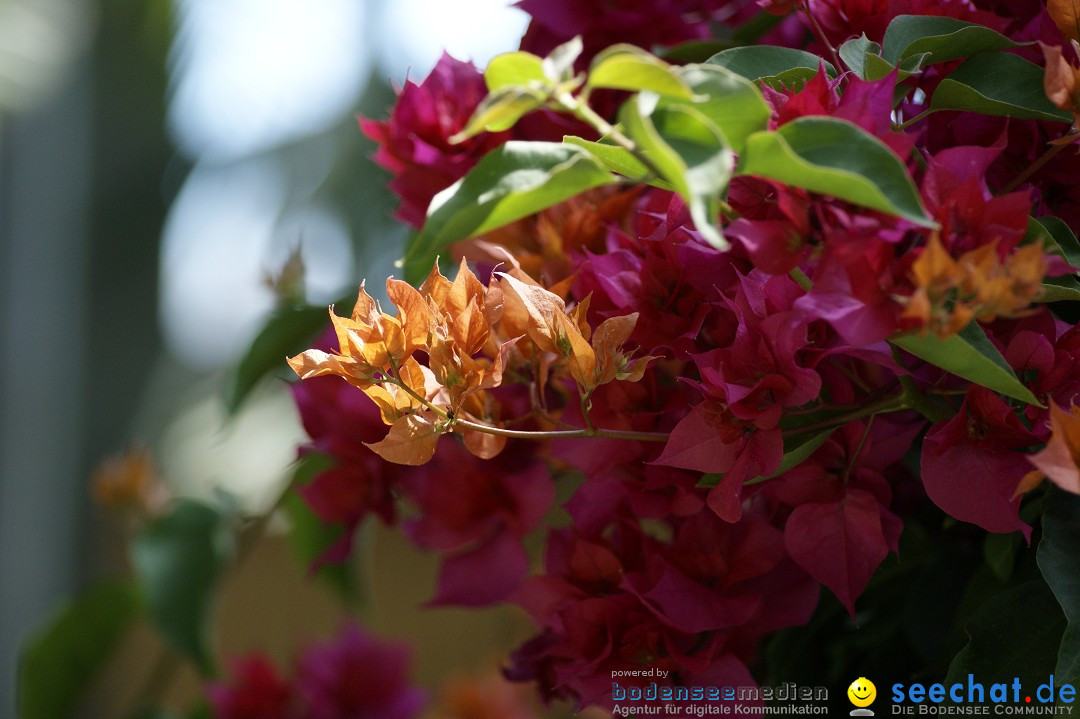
(866, 104)
(841, 526)
(1060, 460)
(950, 293)
(368, 342)
(340, 420)
(256, 690)
(356, 676)
(1061, 81)
(645, 23)
(476, 512)
(957, 196)
(985, 437)
(414, 144)
(842, 19)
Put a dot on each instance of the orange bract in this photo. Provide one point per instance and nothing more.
(1066, 15)
(471, 335)
(130, 481)
(1060, 460)
(950, 292)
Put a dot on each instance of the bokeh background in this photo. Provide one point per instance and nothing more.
(158, 162)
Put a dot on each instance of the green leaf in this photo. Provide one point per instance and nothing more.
(877, 68)
(59, 660)
(835, 157)
(689, 151)
(996, 651)
(178, 559)
(997, 84)
(695, 50)
(854, 53)
(500, 110)
(1062, 237)
(1059, 562)
(617, 159)
(751, 31)
(625, 67)
(772, 65)
(514, 69)
(558, 66)
(287, 332)
(797, 449)
(733, 103)
(942, 38)
(513, 181)
(312, 536)
(999, 553)
(971, 355)
(1061, 289)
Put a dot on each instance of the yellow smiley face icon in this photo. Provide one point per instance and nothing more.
(862, 692)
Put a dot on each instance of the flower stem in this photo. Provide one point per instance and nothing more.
(1050, 154)
(584, 433)
(582, 111)
(819, 33)
(892, 403)
(800, 277)
(912, 120)
(858, 450)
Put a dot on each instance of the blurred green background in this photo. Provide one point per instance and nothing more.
(158, 162)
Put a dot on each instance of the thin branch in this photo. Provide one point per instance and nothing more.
(819, 33)
(585, 433)
(585, 113)
(1034, 167)
(892, 403)
(858, 450)
(800, 277)
(912, 120)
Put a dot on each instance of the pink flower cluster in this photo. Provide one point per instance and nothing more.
(659, 567)
(354, 676)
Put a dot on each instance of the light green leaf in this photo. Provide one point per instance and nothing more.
(1000, 84)
(500, 110)
(942, 38)
(513, 181)
(971, 355)
(287, 332)
(559, 65)
(617, 159)
(733, 103)
(514, 69)
(59, 660)
(835, 157)
(625, 67)
(1059, 562)
(179, 559)
(689, 151)
(772, 65)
